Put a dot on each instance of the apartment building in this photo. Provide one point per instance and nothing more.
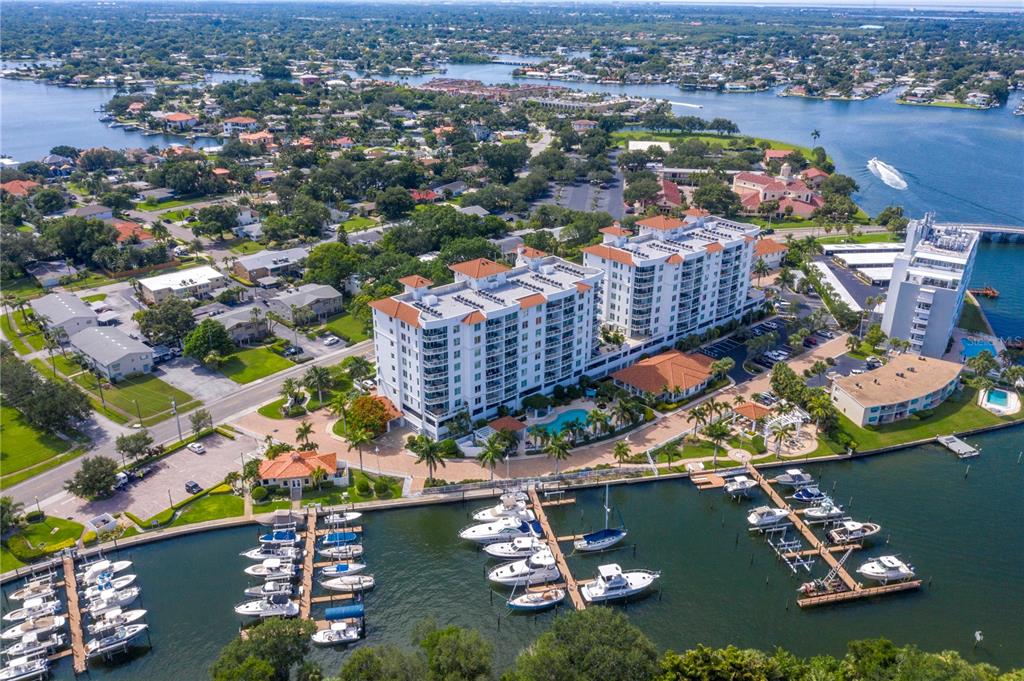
(928, 285)
(194, 282)
(907, 384)
(493, 337)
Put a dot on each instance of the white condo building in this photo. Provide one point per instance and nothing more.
(929, 281)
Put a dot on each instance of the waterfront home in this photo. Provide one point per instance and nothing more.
(270, 263)
(179, 121)
(264, 139)
(907, 384)
(771, 251)
(296, 470)
(112, 352)
(50, 274)
(63, 311)
(320, 299)
(195, 282)
(793, 196)
(237, 124)
(668, 377)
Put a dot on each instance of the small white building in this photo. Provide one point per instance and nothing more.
(64, 311)
(112, 352)
(195, 282)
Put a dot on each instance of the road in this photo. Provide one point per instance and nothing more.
(245, 399)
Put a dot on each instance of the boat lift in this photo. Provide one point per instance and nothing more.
(788, 550)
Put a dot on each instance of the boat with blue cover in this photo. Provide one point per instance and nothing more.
(280, 538)
(338, 538)
(502, 530)
(599, 540)
(342, 569)
(810, 495)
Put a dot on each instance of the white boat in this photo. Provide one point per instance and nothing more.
(767, 516)
(38, 588)
(349, 583)
(101, 569)
(116, 599)
(341, 569)
(509, 505)
(613, 584)
(826, 510)
(886, 173)
(337, 634)
(108, 585)
(794, 477)
(341, 552)
(40, 625)
(886, 569)
(602, 539)
(501, 530)
(537, 600)
(537, 569)
(852, 531)
(343, 518)
(25, 668)
(810, 494)
(520, 547)
(739, 486)
(271, 588)
(264, 551)
(119, 640)
(272, 606)
(280, 538)
(273, 568)
(33, 608)
(34, 644)
(114, 618)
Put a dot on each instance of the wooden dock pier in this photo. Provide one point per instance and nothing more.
(358, 529)
(306, 597)
(79, 658)
(571, 585)
(958, 447)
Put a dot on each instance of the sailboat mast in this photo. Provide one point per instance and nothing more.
(607, 510)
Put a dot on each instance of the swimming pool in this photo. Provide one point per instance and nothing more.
(973, 348)
(997, 397)
(564, 419)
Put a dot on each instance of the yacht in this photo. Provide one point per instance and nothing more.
(37, 588)
(278, 605)
(508, 505)
(336, 634)
(602, 539)
(105, 586)
(341, 569)
(341, 552)
(810, 495)
(280, 538)
(264, 551)
(115, 599)
(114, 618)
(25, 668)
(349, 583)
(32, 608)
(502, 530)
(767, 516)
(102, 569)
(39, 625)
(273, 568)
(886, 569)
(520, 547)
(537, 600)
(34, 644)
(794, 477)
(537, 569)
(826, 510)
(270, 588)
(612, 583)
(739, 486)
(336, 538)
(120, 639)
(343, 518)
(853, 531)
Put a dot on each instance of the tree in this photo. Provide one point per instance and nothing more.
(279, 644)
(166, 322)
(716, 432)
(369, 413)
(10, 515)
(357, 367)
(558, 449)
(761, 269)
(95, 479)
(455, 654)
(503, 161)
(319, 379)
(494, 451)
(427, 451)
(394, 202)
(621, 452)
(48, 201)
(721, 367)
(201, 420)
(317, 477)
(133, 445)
(383, 663)
(641, 189)
(983, 363)
(209, 336)
(357, 437)
(714, 196)
(332, 263)
(214, 359)
(303, 431)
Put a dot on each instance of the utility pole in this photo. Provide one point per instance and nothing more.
(138, 411)
(177, 419)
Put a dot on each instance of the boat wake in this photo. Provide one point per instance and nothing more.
(887, 174)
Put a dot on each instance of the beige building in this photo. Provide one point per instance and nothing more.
(195, 282)
(907, 384)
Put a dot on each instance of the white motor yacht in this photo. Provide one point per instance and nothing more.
(739, 486)
(264, 551)
(114, 618)
(537, 569)
(32, 608)
(613, 584)
(886, 569)
(271, 588)
(509, 505)
(537, 600)
(349, 583)
(343, 518)
(826, 510)
(25, 668)
(341, 551)
(273, 568)
(767, 516)
(794, 477)
(108, 585)
(853, 531)
(39, 625)
(101, 569)
(278, 605)
(337, 634)
(112, 643)
(520, 547)
(116, 599)
(37, 588)
(34, 644)
(502, 530)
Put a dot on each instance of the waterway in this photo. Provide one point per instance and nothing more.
(719, 586)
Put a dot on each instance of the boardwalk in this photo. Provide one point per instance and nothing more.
(74, 616)
(306, 597)
(570, 582)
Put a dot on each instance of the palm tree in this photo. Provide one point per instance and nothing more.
(621, 452)
(716, 432)
(358, 367)
(51, 344)
(557, 449)
(761, 269)
(698, 416)
(598, 421)
(671, 449)
(427, 452)
(622, 412)
(303, 431)
(357, 437)
(317, 378)
(289, 388)
(9, 301)
(539, 435)
(10, 514)
(159, 231)
(785, 278)
(852, 343)
(494, 451)
(815, 134)
(782, 432)
(339, 407)
(214, 359)
(317, 476)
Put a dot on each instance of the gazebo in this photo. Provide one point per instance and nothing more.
(750, 413)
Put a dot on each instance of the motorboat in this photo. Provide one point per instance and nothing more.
(767, 516)
(794, 477)
(120, 639)
(341, 552)
(520, 547)
(509, 505)
(37, 588)
(39, 625)
(273, 568)
(34, 644)
(504, 529)
(32, 608)
(602, 539)
(810, 495)
(280, 538)
(613, 584)
(537, 600)
(278, 605)
(852, 531)
(25, 668)
(102, 569)
(115, 599)
(343, 518)
(886, 569)
(739, 486)
(338, 633)
(114, 618)
(264, 551)
(349, 583)
(107, 585)
(341, 569)
(336, 538)
(537, 569)
(270, 588)
(826, 510)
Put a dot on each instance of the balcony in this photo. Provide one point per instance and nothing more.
(435, 361)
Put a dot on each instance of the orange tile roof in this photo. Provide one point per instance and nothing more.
(397, 309)
(769, 246)
(529, 252)
(675, 259)
(507, 423)
(291, 465)
(615, 231)
(715, 247)
(671, 370)
(241, 120)
(582, 288)
(19, 187)
(752, 410)
(532, 300)
(474, 317)
(220, 172)
(479, 268)
(178, 117)
(389, 407)
(609, 253)
(415, 281)
(661, 222)
(697, 212)
(126, 229)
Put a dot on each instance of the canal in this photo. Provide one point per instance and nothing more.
(720, 586)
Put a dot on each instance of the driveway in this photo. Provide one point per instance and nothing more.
(196, 380)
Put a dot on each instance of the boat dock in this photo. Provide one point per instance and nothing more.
(306, 597)
(79, 658)
(958, 447)
(358, 529)
(571, 586)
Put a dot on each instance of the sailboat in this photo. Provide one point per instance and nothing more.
(600, 540)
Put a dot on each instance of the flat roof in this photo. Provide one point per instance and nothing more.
(844, 295)
(903, 378)
(182, 278)
(61, 307)
(882, 247)
(661, 240)
(876, 274)
(868, 259)
(271, 259)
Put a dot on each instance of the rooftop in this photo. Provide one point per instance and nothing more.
(182, 278)
(61, 307)
(289, 465)
(659, 241)
(904, 377)
(308, 293)
(673, 371)
(107, 345)
(272, 259)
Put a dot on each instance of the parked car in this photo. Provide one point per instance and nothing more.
(121, 480)
(292, 350)
(192, 487)
(197, 447)
(332, 340)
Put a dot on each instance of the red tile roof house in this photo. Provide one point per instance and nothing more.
(131, 233)
(424, 195)
(135, 108)
(814, 177)
(343, 142)
(583, 125)
(21, 188)
(754, 189)
(295, 470)
(771, 251)
(776, 155)
(238, 124)
(668, 377)
(179, 121)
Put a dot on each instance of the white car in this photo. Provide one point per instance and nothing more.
(197, 447)
(332, 340)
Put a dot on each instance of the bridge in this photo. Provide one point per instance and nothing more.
(512, 62)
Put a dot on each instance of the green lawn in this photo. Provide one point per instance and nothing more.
(91, 280)
(24, 288)
(872, 238)
(272, 410)
(972, 318)
(246, 247)
(36, 540)
(177, 215)
(64, 366)
(22, 445)
(164, 205)
(246, 366)
(721, 140)
(330, 495)
(346, 326)
(213, 506)
(357, 223)
(94, 298)
(12, 336)
(153, 395)
(272, 505)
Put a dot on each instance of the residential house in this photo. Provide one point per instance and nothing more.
(907, 384)
(793, 196)
(135, 108)
(771, 251)
(265, 176)
(245, 327)
(19, 188)
(131, 233)
(295, 470)
(668, 377)
(112, 352)
(50, 274)
(423, 195)
(583, 125)
(180, 121)
(270, 263)
(320, 299)
(195, 282)
(451, 189)
(264, 138)
(156, 195)
(814, 177)
(238, 124)
(92, 211)
(64, 311)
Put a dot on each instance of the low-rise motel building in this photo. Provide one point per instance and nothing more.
(907, 384)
